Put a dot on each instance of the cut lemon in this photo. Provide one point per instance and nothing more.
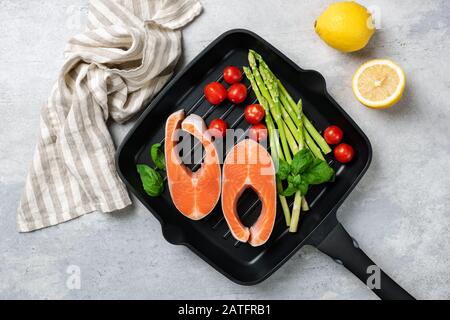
(379, 84)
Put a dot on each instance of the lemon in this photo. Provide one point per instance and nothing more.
(379, 84)
(346, 26)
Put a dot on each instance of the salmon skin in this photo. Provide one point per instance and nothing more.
(249, 165)
(194, 194)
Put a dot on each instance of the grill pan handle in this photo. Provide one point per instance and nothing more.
(340, 246)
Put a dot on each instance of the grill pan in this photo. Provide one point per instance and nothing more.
(210, 238)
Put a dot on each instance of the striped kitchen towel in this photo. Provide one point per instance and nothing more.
(125, 56)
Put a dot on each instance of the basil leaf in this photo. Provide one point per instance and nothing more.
(299, 184)
(320, 172)
(152, 181)
(158, 157)
(303, 188)
(295, 180)
(295, 184)
(290, 191)
(284, 170)
(302, 161)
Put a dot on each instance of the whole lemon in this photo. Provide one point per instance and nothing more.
(346, 26)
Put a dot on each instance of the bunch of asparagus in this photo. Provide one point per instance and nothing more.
(289, 130)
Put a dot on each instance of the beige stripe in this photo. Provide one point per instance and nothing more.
(49, 166)
(73, 156)
(102, 20)
(61, 175)
(93, 22)
(106, 140)
(80, 184)
(148, 69)
(108, 11)
(91, 161)
(155, 68)
(45, 189)
(137, 9)
(36, 193)
(124, 15)
(160, 82)
(80, 161)
(27, 218)
(106, 37)
(91, 143)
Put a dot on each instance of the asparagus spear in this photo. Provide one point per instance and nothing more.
(274, 141)
(295, 111)
(295, 128)
(284, 204)
(305, 205)
(272, 85)
(312, 146)
(292, 145)
(274, 92)
(296, 212)
(325, 148)
(292, 108)
(317, 136)
(295, 114)
(286, 94)
(273, 109)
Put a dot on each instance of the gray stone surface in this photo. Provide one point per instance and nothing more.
(399, 212)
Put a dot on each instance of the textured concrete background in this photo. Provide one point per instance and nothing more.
(399, 212)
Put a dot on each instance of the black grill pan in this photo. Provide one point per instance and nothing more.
(210, 238)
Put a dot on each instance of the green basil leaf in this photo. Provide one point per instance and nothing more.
(284, 169)
(303, 188)
(152, 181)
(290, 191)
(318, 173)
(295, 180)
(302, 161)
(299, 184)
(158, 157)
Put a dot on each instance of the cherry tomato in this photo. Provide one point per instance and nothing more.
(254, 113)
(333, 135)
(344, 153)
(215, 93)
(218, 128)
(237, 93)
(232, 75)
(258, 132)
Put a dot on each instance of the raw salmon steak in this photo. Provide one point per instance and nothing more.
(194, 194)
(249, 165)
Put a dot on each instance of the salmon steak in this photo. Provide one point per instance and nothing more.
(194, 194)
(249, 165)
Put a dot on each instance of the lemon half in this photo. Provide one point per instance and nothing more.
(379, 84)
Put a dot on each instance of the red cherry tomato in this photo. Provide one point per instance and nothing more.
(344, 153)
(237, 93)
(258, 132)
(215, 93)
(254, 113)
(218, 128)
(232, 75)
(333, 135)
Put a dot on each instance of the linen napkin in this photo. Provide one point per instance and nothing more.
(125, 56)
